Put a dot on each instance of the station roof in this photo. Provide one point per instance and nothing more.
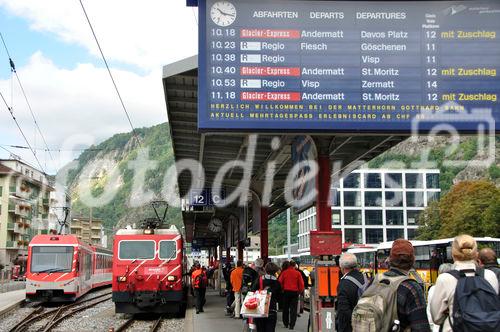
(212, 150)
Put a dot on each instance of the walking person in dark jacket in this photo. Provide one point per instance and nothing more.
(271, 283)
(348, 290)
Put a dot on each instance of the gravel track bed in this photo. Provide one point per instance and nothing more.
(95, 319)
(144, 323)
(15, 316)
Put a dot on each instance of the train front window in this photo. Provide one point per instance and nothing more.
(132, 250)
(168, 250)
(50, 259)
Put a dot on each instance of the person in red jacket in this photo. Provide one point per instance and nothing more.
(292, 285)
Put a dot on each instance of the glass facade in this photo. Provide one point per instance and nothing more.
(374, 235)
(394, 217)
(395, 233)
(352, 198)
(373, 180)
(373, 198)
(353, 235)
(352, 181)
(432, 180)
(414, 180)
(394, 180)
(373, 217)
(393, 198)
(352, 217)
(415, 198)
(372, 206)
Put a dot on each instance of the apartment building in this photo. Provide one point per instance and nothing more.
(87, 229)
(376, 205)
(24, 207)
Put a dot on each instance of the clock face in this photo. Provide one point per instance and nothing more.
(223, 13)
(215, 225)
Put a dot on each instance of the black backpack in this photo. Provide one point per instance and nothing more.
(476, 305)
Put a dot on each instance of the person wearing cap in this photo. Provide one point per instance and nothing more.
(411, 305)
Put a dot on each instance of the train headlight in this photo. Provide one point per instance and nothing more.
(171, 278)
(122, 279)
(149, 231)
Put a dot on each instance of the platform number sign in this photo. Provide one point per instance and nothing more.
(206, 197)
(198, 197)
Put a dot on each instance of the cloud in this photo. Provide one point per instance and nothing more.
(80, 101)
(147, 34)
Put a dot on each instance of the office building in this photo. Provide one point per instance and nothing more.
(376, 205)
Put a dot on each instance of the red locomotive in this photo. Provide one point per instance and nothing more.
(149, 270)
(63, 268)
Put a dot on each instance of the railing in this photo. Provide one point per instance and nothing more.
(12, 244)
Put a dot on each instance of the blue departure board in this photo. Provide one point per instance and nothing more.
(348, 66)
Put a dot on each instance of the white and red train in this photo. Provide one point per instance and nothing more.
(149, 271)
(63, 268)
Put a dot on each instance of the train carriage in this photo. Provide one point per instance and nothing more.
(149, 271)
(63, 268)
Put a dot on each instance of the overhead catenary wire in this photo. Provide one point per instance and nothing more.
(53, 149)
(134, 132)
(11, 112)
(13, 70)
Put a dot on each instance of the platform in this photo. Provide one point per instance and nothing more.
(9, 300)
(214, 320)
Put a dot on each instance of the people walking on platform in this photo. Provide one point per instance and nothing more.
(488, 260)
(349, 289)
(250, 274)
(443, 268)
(259, 267)
(398, 290)
(300, 308)
(292, 285)
(236, 283)
(199, 283)
(270, 282)
(482, 283)
(228, 268)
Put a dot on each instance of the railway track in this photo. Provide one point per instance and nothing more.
(56, 316)
(127, 324)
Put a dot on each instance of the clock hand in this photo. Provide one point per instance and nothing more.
(225, 14)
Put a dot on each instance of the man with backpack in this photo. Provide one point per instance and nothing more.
(199, 282)
(466, 298)
(394, 301)
(350, 288)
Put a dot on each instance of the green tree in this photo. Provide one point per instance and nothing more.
(429, 223)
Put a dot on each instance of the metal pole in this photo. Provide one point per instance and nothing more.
(288, 233)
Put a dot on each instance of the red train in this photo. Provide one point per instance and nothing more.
(149, 271)
(63, 268)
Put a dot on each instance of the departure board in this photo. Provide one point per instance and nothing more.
(348, 66)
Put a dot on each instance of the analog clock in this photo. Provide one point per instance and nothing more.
(215, 225)
(223, 13)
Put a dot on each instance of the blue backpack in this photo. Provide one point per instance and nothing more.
(476, 306)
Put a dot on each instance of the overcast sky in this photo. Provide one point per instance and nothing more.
(65, 79)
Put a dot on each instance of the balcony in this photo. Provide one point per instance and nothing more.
(14, 226)
(12, 245)
(20, 191)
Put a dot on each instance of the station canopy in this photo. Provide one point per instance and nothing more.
(214, 149)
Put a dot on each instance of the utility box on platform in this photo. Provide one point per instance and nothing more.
(326, 243)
